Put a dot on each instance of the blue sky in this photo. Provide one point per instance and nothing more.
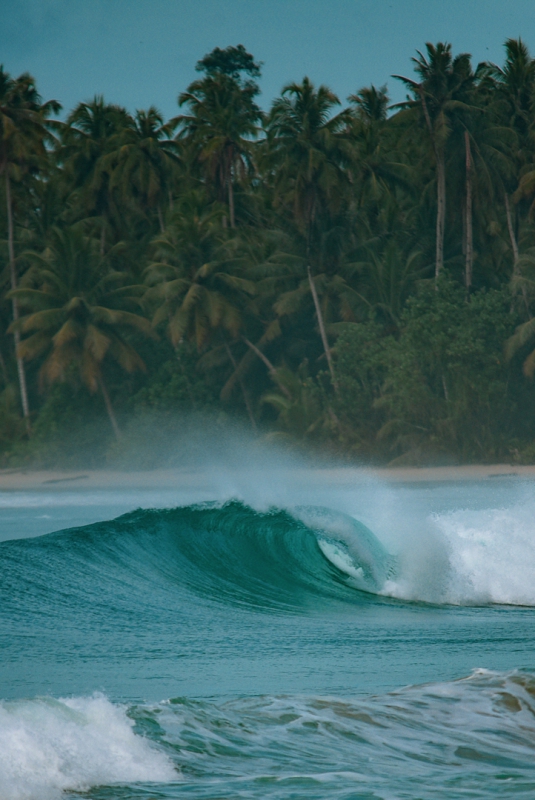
(138, 52)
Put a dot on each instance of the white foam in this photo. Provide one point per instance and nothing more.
(48, 746)
(472, 557)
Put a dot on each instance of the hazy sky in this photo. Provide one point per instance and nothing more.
(138, 52)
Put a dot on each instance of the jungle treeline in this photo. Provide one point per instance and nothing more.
(354, 278)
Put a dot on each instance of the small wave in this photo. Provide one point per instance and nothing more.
(471, 737)
(49, 746)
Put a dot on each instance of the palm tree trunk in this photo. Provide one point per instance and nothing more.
(512, 236)
(441, 213)
(271, 369)
(516, 255)
(441, 189)
(109, 407)
(231, 201)
(469, 257)
(243, 390)
(15, 305)
(319, 316)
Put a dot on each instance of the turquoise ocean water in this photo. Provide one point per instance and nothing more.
(269, 638)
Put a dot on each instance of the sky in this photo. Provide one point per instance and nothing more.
(142, 52)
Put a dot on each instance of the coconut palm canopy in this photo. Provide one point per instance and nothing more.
(351, 273)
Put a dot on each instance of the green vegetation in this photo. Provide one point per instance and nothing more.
(358, 279)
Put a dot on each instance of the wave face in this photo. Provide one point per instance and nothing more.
(228, 553)
(473, 737)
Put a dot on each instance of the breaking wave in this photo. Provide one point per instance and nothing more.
(282, 560)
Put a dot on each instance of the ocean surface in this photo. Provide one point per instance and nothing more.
(263, 636)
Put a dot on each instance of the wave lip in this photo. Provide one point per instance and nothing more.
(50, 746)
(351, 547)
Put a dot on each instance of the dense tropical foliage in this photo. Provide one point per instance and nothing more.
(356, 278)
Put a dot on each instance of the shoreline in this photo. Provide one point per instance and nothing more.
(102, 479)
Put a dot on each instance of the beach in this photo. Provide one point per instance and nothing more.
(32, 480)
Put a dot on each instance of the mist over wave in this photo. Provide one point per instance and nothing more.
(471, 557)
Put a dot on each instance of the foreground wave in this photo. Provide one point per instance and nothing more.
(469, 738)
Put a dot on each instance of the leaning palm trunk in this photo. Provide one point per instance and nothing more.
(514, 246)
(16, 333)
(469, 256)
(271, 369)
(319, 315)
(245, 395)
(109, 407)
(510, 228)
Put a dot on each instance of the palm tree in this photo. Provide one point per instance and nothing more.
(442, 91)
(23, 133)
(486, 150)
(91, 139)
(510, 91)
(372, 167)
(195, 286)
(513, 85)
(146, 162)
(387, 277)
(188, 283)
(77, 314)
(220, 128)
(306, 154)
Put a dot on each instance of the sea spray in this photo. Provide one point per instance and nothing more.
(470, 557)
(48, 746)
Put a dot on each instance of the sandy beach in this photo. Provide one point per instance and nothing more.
(31, 480)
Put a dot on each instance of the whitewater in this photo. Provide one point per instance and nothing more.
(264, 634)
